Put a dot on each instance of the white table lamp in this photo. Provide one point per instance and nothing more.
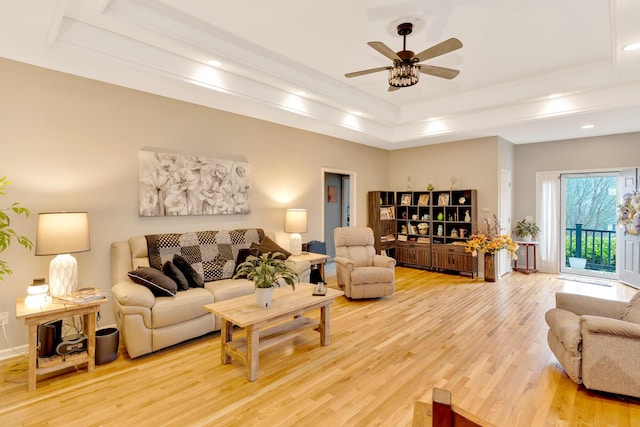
(295, 222)
(61, 234)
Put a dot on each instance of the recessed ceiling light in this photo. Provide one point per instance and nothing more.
(587, 127)
(632, 46)
(214, 63)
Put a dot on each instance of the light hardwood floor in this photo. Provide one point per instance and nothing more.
(485, 342)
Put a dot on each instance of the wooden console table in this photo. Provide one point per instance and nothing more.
(527, 269)
(287, 304)
(34, 316)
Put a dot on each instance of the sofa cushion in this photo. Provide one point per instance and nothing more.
(193, 277)
(184, 306)
(211, 253)
(632, 312)
(170, 269)
(158, 283)
(268, 245)
(230, 288)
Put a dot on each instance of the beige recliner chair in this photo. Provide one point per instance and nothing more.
(360, 271)
(597, 341)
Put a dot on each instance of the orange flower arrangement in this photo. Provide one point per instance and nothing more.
(489, 240)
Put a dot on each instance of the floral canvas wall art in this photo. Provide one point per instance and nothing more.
(173, 184)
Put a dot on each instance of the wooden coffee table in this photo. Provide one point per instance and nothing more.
(286, 311)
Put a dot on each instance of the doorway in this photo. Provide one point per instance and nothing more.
(588, 224)
(338, 201)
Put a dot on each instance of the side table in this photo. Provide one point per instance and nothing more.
(527, 269)
(316, 260)
(34, 316)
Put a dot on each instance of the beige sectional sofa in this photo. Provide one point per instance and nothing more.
(148, 322)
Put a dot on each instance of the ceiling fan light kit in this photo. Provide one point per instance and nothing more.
(404, 74)
(406, 67)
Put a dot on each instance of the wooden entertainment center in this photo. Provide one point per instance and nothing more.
(425, 228)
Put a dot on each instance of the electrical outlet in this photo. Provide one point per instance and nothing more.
(4, 318)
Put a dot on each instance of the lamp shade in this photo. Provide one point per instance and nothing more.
(295, 221)
(62, 233)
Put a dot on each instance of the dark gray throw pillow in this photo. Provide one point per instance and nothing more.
(174, 273)
(193, 277)
(242, 257)
(156, 281)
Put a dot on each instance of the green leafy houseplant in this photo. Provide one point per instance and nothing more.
(7, 234)
(524, 229)
(267, 270)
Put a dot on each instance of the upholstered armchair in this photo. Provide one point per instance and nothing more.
(597, 341)
(360, 271)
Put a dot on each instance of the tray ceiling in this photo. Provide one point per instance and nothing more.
(531, 70)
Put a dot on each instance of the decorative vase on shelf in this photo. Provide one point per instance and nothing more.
(264, 296)
(467, 217)
(489, 267)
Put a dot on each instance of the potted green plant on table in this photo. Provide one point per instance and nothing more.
(526, 230)
(267, 271)
(7, 234)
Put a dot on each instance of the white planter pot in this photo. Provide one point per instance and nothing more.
(527, 238)
(264, 297)
(577, 263)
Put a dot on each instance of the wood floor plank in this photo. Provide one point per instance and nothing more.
(485, 342)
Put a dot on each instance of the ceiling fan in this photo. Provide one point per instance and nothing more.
(406, 67)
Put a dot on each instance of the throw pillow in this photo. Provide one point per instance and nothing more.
(174, 273)
(268, 245)
(158, 283)
(193, 277)
(242, 257)
(632, 312)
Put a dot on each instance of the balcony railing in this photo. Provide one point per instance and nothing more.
(598, 247)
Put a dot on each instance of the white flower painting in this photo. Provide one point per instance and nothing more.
(172, 184)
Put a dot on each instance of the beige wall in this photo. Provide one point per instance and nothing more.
(70, 143)
(474, 161)
(610, 152)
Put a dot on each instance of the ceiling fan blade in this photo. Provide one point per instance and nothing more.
(392, 88)
(439, 49)
(385, 50)
(445, 73)
(369, 71)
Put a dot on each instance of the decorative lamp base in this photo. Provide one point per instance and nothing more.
(63, 275)
(295, 244)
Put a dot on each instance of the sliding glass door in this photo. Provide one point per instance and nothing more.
(588, 221)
